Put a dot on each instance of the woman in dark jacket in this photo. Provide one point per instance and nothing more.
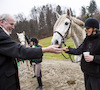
(90, 64)
(36, 63)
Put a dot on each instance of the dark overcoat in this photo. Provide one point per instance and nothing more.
(9, 51)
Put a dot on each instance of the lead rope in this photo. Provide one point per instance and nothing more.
(68, 54)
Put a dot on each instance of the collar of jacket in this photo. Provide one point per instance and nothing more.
(97, 35)
(5, 30)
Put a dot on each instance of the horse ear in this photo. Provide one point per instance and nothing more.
(68, 14)
(57, 15)
(24, 32)
(17, 34)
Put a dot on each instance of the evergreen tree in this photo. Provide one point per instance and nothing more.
(58, 9)
(92, 8)
(83, 10)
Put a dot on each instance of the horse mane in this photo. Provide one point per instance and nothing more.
(78, 21)
(78, 30)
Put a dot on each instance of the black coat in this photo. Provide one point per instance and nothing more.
(9, 50)
(91, 44)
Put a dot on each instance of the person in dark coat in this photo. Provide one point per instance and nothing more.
(10, 50)
(36, 63)
(90, 63)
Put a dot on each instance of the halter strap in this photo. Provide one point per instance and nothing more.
(59, 34)
(68, 29)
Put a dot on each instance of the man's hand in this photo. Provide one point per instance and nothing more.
(52, 49)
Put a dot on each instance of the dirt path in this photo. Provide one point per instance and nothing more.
(56, 75)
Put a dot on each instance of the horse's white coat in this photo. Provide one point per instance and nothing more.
(21, 37)
(76, 32)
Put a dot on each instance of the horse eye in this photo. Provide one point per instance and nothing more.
(66, 23)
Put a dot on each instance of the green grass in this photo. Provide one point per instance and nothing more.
(47, 41)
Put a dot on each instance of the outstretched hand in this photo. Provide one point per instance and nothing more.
(52, 49)
(65, 49)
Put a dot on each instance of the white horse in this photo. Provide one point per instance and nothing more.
(21, 37)
(23, 41)
(67, 27)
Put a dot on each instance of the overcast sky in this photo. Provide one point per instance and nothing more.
(15, 7)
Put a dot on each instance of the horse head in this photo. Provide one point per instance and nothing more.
(63, 28)
(21, 37)
(67, 27)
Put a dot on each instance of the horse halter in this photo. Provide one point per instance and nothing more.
(63, 37)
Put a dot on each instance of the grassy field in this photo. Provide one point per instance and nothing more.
(47, 41)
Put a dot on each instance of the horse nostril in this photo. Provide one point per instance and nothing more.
(56, 42)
